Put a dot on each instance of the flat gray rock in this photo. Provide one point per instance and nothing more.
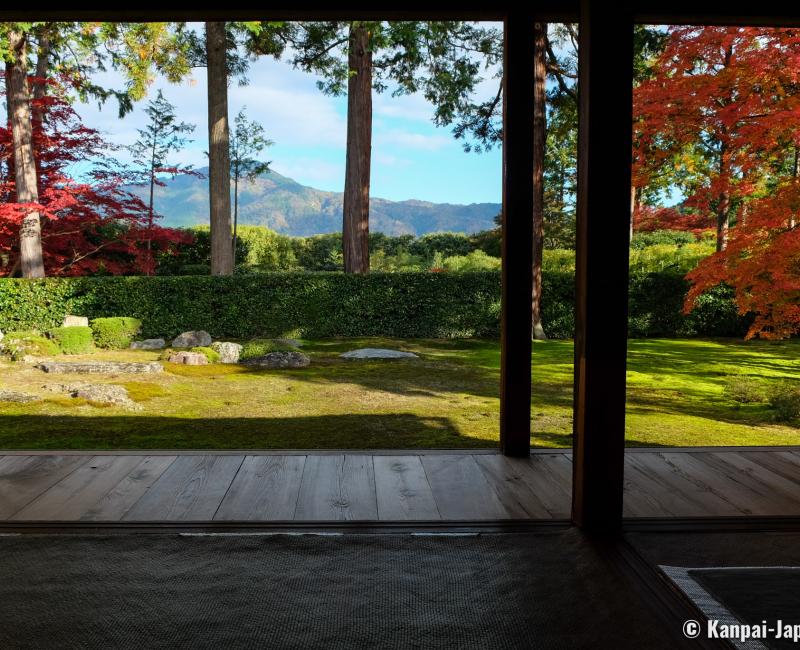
(193, 339)
(189, 358)
(292, 343)
(100, 393)
(228, 352)
(96, 367)
(149, 344)
(377, 353)
(288, 359)
(19, 398)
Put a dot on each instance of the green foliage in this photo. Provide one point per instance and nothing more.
(74, 340)
(674, 237)
(745, 389)
(474, 261)
(211, 355)
(669, 257)
(785, 402)
(21, 343)
(260, 347)
(414, 304)
(116, 332)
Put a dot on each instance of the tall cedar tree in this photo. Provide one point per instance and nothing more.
(359, 57)
(248, 141)
(162, 136)
(219, 185)
(89, 225)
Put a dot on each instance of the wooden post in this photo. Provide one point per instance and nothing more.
(515, 350)
(601, 317)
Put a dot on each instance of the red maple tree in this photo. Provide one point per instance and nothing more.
(721, 115)
(90, 222)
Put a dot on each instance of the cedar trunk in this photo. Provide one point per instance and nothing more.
(355, 221)
(723, 203)
(19, 101)
(539, 146)
(219, 166)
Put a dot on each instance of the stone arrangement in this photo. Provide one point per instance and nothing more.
(193, 339)
(228, 352)
(283, 359)
(94, 367)
(189, 358)
(99, 393)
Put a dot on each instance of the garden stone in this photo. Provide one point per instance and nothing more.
(100, 393)
(76, 321)
(377, 353)
(189, 358)
(93, 367)
(288, 359)
(228, 352)
(2, 336)
(149, 344)
(14, 396)
(193, 339)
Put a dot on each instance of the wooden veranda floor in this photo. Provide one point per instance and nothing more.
(383, 486)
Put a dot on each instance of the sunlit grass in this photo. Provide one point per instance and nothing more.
(449, 397)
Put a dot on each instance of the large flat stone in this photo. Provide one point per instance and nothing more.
(99, 393)
(15, 396)
(98, 367)
(377, 353)
(189, 358)
(149, 344)
(287, 359)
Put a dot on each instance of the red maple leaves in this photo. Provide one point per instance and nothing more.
(90, 223)
(721, 118)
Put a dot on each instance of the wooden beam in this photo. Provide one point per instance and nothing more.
(601, 317)
(515, 344)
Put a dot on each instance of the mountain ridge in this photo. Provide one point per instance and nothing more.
(288, 207)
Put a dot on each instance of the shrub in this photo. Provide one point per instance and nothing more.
(260, 347)
(74, 340)
(211, 355)
(785, 402)
(745, 390)
(655, 237)
(19, 344)
(117, 332)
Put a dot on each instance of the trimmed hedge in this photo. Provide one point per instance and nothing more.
(317, 305)
(73, 340)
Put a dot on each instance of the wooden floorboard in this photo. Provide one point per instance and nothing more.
(337, 488)
(461, 489)
(265, 489)
(392, 487)
(23, 478)
(191, 489)
(402, 490)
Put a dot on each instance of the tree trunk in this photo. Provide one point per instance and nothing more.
(11, 196)
(723, 203)
(30, 233)
(633, 212)
(355, 219)
(539, 147)
(235, 213)
(39, 91)
(219, 166)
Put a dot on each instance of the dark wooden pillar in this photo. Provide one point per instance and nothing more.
(515, 346)
(601, 316)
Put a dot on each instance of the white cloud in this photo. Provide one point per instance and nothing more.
(396, 138)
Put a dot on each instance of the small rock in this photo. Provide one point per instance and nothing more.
(279, 360)
(93, 367)
(189, 358)
(193, 339)
(100, 393)
(75, 321)
(2, 336)
(14, 396)
(228, 352)
(149, 344)
(377, 353)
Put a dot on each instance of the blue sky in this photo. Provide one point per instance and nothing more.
(411, 158)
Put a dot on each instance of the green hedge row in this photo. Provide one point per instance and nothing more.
(333, 304)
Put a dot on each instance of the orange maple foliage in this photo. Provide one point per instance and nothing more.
(722, 110)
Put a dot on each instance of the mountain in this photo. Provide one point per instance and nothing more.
(286, 206)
